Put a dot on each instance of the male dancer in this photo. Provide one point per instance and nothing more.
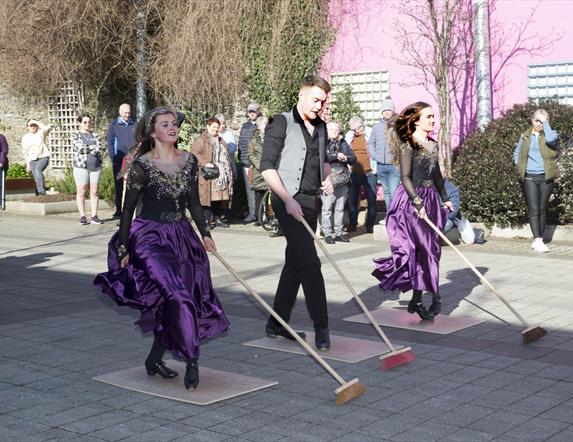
(293, 165)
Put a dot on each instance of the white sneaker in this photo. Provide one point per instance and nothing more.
(539, 246)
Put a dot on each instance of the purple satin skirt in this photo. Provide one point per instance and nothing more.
(169, 281)
(415, 247)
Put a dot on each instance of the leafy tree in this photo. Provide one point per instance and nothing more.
(343, 107)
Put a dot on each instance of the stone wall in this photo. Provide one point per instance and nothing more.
(14, 113)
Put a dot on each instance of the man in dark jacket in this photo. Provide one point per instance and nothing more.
(247, 131)
(3, 169)
(120, 138)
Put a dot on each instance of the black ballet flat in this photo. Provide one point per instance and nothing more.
(161, 369)
(418, 307)
(191, 374)
(436, 306)
(272, 331)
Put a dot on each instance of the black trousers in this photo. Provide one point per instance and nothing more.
(537, 192)
(258, 201)
(302, 265)
(116, 165)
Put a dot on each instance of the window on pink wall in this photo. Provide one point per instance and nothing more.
(369, 88)
(551, 80)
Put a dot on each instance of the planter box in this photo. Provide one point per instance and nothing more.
(20, 185)
(43, 209)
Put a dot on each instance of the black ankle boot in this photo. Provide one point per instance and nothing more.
(436, 306)
(418, 307)
(161, 369)
(192, 374)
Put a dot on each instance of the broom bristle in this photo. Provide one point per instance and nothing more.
(349, 391)
(396, 358)
(533, 334)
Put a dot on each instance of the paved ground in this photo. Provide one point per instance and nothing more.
(57, 332)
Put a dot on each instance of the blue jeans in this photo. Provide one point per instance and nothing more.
(37, 168)
(389, 177)
(369, 183)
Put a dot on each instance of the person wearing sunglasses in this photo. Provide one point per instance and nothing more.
(36, 151)
(536, 159)
(87, 159)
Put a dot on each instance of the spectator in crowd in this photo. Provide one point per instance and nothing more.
(362, 176)
(340, 156)
(536, 159)
(36, 151)
(229, 138)
(3, 169)
(453, 193)
(380, 150)
(247, 130)
(157, 263)
(258, 183)
(211, 149)
(87, 160)
(415, 260)
(120, 138)
(293, 165)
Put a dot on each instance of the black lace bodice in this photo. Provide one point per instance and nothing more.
(419, 167)
(165, 196)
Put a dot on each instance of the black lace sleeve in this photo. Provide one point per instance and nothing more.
(135, 181)
(406, 156)
(194, 206)
(439, 183)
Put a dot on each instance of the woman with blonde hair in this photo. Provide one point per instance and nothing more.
(416, 250)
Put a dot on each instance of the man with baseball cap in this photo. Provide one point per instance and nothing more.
(247, 131)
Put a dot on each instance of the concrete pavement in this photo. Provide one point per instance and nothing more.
(57, 332)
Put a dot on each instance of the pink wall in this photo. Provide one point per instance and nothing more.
(366, 41)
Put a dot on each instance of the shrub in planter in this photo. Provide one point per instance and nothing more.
(489, 184)
(106, 189)
(18, 171)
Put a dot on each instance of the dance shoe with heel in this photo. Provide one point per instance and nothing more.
(322, 339)
(161, 369)
(436, 306)
(191, 374)
(272, 331)
(418, 307)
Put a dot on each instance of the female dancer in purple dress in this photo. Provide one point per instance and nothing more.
(414, 264)
(157, 263)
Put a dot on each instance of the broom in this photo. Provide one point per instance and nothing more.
(530, 333)
(347, 390)
(395, 357)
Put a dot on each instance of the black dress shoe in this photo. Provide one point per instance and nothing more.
(418, 307)
(191, 374)
(351, 228)
(328, 240)
(273, 331)
(340, 238)
(161, 369)
(369, 229)
(436, 306)
(116, 215)
(322, 339)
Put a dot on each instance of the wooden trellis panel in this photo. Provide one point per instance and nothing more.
(63, 110)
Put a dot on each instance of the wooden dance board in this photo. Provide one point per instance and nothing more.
(342, 348)
(441, 324)
(214, 385)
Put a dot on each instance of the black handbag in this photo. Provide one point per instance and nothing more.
(210, 172)
(340, 176)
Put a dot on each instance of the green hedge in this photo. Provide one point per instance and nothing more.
(16, 170)
(483, 168)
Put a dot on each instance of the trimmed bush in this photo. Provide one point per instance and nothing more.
(16, 170)
(489, 184)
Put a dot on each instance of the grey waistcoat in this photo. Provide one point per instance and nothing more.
(291, 163)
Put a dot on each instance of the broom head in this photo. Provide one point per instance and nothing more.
(350, 390)
(396, 358)
(533, 333)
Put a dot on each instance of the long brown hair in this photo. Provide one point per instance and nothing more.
(403, 126)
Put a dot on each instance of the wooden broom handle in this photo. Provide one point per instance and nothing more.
(350, 287)
(482, 278)
(281, 321)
